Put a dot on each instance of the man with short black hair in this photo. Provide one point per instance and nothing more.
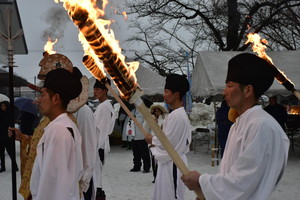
(277, 111)
(58, 166)
(256, 151)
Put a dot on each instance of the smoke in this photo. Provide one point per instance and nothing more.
(57, 19)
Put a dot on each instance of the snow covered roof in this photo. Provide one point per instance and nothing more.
(150, 82)
(210, 71)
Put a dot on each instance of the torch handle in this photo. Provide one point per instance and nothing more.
(136, 122)
(166, 143)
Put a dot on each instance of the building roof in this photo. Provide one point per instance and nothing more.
(9, 10)
(4, 80)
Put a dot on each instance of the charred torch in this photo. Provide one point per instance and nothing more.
(114, 64)
(259, 47)
(83, 15)
(93, 66)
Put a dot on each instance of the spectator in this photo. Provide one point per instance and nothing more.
(223, 124)
(277, 111)
(5, 141)
(140, 148)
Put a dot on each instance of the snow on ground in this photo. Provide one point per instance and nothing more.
(119, 183)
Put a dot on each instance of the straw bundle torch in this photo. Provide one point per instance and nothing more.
(259, 47)
(85, 17)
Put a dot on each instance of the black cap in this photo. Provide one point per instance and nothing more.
(249, 69)
(177, 83)
(99, 84)
(63, 82)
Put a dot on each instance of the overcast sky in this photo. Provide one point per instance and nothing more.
(44, 17)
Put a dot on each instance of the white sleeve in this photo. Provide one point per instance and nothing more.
(86, 125)
(103, 121)
(245, 175)
(175, 130)
(58, 173)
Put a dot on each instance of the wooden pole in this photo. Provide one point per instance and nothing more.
(92, 67)
(164, 141)
(136, 122)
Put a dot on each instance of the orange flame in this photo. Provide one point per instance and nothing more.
(125, 15)
(258, 46)
(49, 46)
(99, 42)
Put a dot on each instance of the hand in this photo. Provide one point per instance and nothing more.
(15, 132)
(83, 185)
(148, 138)
(191, 180)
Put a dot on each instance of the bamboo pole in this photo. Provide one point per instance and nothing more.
(121, 76)
(164, 141)
(91, 65)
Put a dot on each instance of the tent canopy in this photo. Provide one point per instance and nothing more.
(4, 80)
(209, 74)
(150, 82)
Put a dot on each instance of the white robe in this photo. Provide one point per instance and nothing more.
(87, 128)
(105, 121)
(254, 159)
(58, 165)
(177, 129)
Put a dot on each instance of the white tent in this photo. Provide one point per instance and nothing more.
(210, 72)
(150, 82)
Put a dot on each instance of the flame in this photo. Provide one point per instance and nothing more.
(258, 46)
(99, 42)
(293, 110)
(49, 46)
(125, 15)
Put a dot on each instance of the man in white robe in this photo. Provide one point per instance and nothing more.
(256, 152)
(87, 128)
(105, 121)
(86, 125)
(168, 185)
(58, 166)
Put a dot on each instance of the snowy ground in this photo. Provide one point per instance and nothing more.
(119, 183)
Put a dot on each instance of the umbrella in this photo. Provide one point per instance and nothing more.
(3, 98)
(26, 105)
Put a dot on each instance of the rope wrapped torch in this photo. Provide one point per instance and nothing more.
(120, 74)
(92, 66)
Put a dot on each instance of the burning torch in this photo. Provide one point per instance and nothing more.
(85, 18)
(259, 48)
(93, 66)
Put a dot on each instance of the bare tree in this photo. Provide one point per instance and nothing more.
(169, 28)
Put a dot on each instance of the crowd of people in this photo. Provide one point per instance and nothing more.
(67, 150)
